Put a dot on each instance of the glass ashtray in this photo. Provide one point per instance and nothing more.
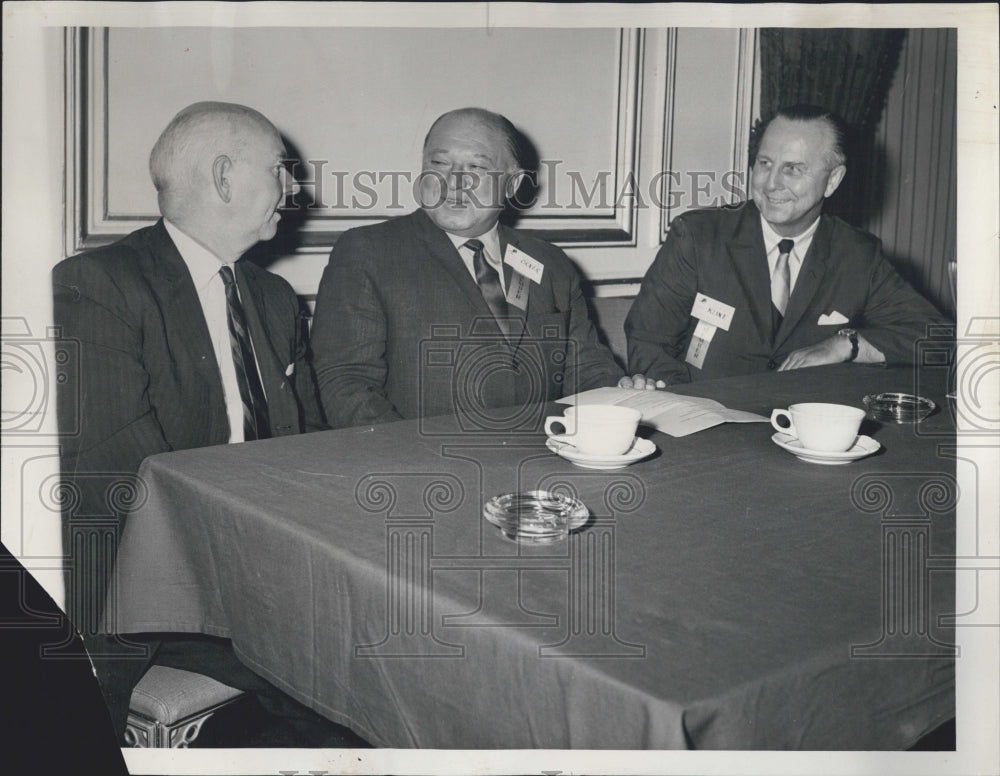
(535, 517)
(898, 407)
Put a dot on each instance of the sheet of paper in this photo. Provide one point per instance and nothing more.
(668, 412)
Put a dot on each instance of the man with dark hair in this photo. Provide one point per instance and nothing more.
(181, 346)
(507, 307)
(773, 283)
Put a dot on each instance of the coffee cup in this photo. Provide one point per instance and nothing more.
(828, 428)
(595, 429)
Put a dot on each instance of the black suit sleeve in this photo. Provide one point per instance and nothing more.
(349, 337)
(593, 366)
(657, 326)
(107, 395)
(895, 315)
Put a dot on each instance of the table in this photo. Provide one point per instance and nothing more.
(724, 595)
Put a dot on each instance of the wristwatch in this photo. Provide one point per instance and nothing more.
(852, 335)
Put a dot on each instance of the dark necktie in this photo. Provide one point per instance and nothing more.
(781, 280)
(489, 282)
(255, 420)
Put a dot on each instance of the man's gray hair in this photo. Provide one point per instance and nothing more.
(187, 147)
(837, 128)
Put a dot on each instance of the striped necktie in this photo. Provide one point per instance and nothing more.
(781, 279)
(255, 420)
(489, 282)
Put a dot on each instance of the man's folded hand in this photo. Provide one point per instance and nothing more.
(641, 383)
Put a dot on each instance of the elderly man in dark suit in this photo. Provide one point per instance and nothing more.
(444, 310)
(181, 345)
(773, 283)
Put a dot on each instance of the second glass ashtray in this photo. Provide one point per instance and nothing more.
(898, 407)
(535, 517)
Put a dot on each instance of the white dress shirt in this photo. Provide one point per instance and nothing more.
(491, 247)
(204, 267)
(795, 258)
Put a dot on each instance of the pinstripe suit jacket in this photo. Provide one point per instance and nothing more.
(402, 331)
(148, 381)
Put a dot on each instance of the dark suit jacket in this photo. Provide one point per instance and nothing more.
(148, 380)
(401, 330)
(721, 253)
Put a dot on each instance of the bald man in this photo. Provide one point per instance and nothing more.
(447, 312)
(182, 345)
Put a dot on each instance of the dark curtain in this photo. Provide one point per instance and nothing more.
(847, 71)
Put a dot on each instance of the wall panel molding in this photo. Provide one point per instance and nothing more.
(93, 219)
(667, 185)
(746, 77)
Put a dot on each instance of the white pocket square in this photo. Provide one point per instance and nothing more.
(833, 319)
(290, 370)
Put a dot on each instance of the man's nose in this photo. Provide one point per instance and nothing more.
(461, 180)
(291, 186)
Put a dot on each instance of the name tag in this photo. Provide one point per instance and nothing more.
(712, 311)
(705, 330)
(698, 347)
(517, 292)
(524, 264)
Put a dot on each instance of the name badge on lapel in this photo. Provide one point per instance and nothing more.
(517, 291)
(698, 347)
(712, 315)
(712, 311)
(523, 263)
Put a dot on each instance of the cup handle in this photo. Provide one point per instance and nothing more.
(789, 429)
(561, 420)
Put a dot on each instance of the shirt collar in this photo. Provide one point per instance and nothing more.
(801, 240)
(490, 241)
(203, 265)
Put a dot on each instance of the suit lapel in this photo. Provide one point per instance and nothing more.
(519, 317)
(441, 250)
(749, 258)
(255, 308)
(808, 283)
(281, 404)
(190, 340)
(180, 301)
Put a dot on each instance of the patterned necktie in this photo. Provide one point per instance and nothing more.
(489, 282)
(255, 420)
(781, 278)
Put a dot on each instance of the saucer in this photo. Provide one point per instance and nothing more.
(641, 448)
(863, 446)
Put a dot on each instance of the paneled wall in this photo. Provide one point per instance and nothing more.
(631, 126)
(913, 208)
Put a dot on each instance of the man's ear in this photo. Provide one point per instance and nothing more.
(221, 169)
(836, 176)
(515, 178)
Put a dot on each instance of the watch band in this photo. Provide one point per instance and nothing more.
(852, 335)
